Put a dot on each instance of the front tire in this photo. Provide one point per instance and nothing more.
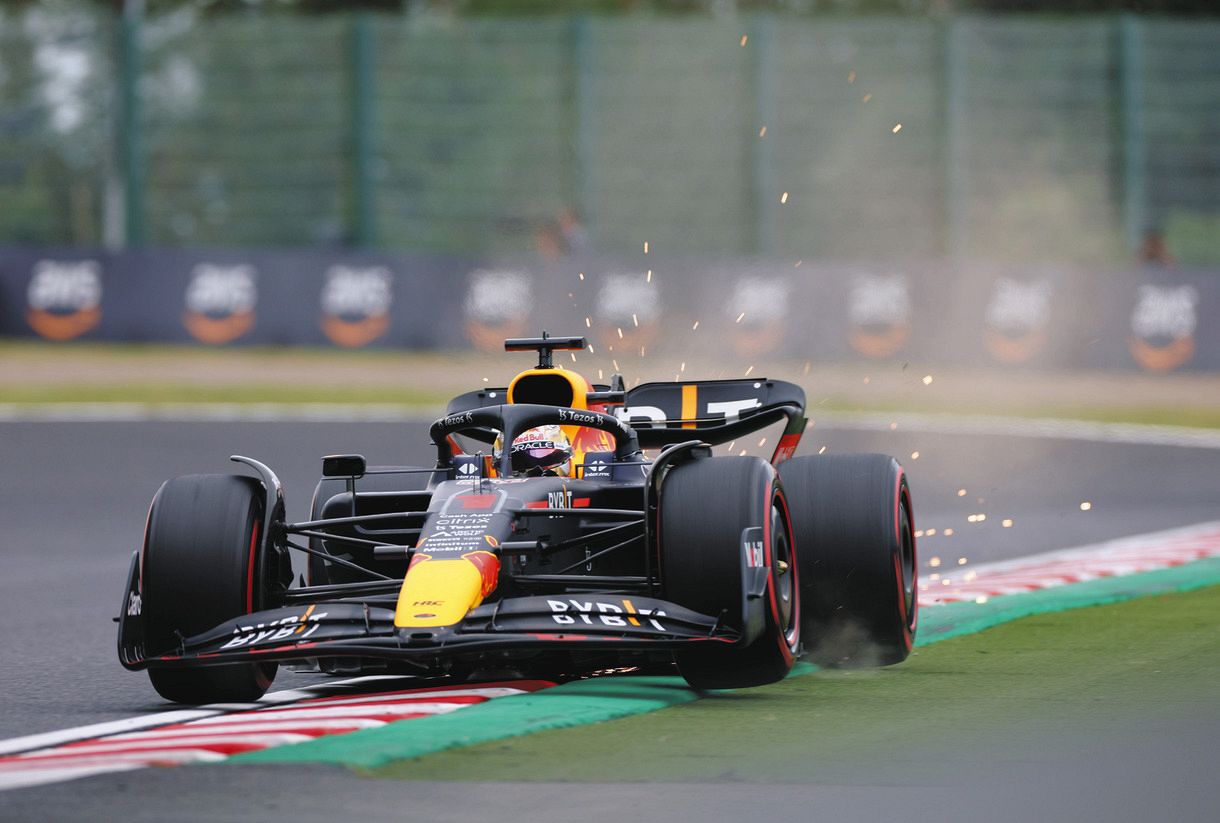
(201, 567)
(854, 528)
(706, 506)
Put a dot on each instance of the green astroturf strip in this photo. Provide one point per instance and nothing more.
(594, 701)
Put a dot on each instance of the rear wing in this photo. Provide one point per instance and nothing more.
(663, 414)
(715, 411)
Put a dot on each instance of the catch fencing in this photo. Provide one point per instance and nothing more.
(1023, 139)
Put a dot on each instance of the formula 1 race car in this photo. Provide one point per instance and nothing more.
(543, 542)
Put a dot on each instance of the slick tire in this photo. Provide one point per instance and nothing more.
(201, 566)
(855, 537)
(705, 507)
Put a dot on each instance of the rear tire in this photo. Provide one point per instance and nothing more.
(852, 518)
(201, 566)
(705, 507)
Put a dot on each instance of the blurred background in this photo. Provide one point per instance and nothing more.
(969, 182)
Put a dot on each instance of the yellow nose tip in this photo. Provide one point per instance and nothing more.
(438, 593)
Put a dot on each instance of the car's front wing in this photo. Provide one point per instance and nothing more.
(347, 629)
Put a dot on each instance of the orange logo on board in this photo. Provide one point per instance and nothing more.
(220, 302)
(356, 304)
(64, 298)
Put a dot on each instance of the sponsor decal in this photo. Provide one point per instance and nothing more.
(455, 420)
(1163, 326)
(753, 548)
(762, 305)
(220, 302)
(135, 604)
(571, 611)
(64, 298)
(356, 304)
(1017, 318)
(295, 627)
(578, 418)
(497, 306)
(879, 311)
(628, 311)
(597, 466)
(786, 448)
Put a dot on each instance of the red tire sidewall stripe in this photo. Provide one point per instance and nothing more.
(769, 494)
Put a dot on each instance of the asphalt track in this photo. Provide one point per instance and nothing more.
(72, 503)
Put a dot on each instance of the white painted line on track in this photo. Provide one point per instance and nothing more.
(981, 424)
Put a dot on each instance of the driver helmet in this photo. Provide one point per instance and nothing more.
(544, 450)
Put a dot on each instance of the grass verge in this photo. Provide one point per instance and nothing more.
(1028, 690)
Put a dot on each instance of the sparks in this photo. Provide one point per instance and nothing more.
(573, 354)
(783, 198)
(620, 332)
(947, 532)
(747, 374)
(893, 427)
(866, 98)
(797, 264)
(762, 442)
(981, 599)
(927, 380)
(682, 368)
(582, 275)
(934, 562)
(1085, 506)
(822, 450)
(614, 363)
(590, 348)
(742, 453)
(1006, 523)
(808, 366)
(897, 128)
(695, 327)
(762, 132)
(648, 277)
(851, 76)
(744, 39)
(914, 455)
(961, 561)
(635, 320)
(588, 323)
(645, 247)
(739, 317)
(961, 492)
(485, 380)
(930, 532)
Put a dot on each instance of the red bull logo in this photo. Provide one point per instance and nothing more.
(220, 302)
(497, 306)
(64, 298)
(356, 304)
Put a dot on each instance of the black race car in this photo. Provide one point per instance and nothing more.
(543, 541)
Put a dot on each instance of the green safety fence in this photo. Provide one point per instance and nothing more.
(1016, 137)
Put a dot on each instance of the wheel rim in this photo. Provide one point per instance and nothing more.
(906, 557)
(783, 572)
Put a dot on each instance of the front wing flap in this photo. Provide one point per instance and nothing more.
(359, 630)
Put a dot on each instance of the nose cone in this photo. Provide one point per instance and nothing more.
(439, 592)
